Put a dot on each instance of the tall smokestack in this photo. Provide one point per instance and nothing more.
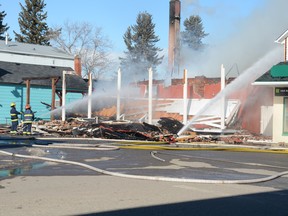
(174, 36)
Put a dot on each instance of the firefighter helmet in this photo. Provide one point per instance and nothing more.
(12, 104)
(27, 106)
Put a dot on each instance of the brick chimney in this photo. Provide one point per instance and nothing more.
(174, 40)
(77, 65)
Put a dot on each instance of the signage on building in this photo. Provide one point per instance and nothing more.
(281, 91)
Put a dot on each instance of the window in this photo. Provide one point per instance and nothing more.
(285, 116)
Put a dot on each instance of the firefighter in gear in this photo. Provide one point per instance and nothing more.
(14, 118)
(28, 119)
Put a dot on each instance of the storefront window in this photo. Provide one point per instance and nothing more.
(285, 114)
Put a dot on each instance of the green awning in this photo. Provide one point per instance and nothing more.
(279, 70)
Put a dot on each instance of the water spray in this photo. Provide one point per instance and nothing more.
(246, 78)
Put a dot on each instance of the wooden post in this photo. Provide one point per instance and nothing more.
(27, 91)
(54, 79)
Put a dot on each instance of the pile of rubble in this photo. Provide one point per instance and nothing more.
(165, 130)
(4, 129)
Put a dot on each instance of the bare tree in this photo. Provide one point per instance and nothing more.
(86, 41)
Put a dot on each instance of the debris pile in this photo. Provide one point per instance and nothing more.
(171, 125)
(166, 130)
(4, 129)
(235, 139)
(127, 131)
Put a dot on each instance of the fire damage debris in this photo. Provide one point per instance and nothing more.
(170, 124)
(164, 131)
(4, 129)
(203, 138)
(239, 138)
(127, 131)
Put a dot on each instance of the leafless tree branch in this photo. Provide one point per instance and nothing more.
(86, 41)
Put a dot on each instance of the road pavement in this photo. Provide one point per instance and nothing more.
(35, 187)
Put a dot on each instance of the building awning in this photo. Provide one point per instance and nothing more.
(280, 70)
(276, 76)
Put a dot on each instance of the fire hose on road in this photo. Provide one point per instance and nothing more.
(143, 177)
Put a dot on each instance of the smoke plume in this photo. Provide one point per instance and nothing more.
(252, 38)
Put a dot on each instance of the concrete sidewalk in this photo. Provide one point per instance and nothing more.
(107, 195)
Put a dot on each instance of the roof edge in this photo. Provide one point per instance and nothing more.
(37, 55)
(282, 37)
(273, 83)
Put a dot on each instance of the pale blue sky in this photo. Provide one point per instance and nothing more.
(114, 16)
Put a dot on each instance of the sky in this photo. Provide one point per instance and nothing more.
(240, 31)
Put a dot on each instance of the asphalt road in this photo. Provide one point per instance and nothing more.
(209, 165)
(30, 179)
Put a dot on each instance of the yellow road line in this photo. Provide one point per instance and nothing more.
(237, 149)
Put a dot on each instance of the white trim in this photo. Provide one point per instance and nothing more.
(282, 37)
(42, 55)
(270, 83)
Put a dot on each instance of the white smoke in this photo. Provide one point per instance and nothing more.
(195, 7)
(251, 39)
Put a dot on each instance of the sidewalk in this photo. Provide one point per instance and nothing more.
(106, 195)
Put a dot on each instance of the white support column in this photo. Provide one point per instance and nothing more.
(6, 38)
(90, 86)
(63, 95)
(150, 94)
(118, 95)
(223, 99)
(285, 49)
(185, 93)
